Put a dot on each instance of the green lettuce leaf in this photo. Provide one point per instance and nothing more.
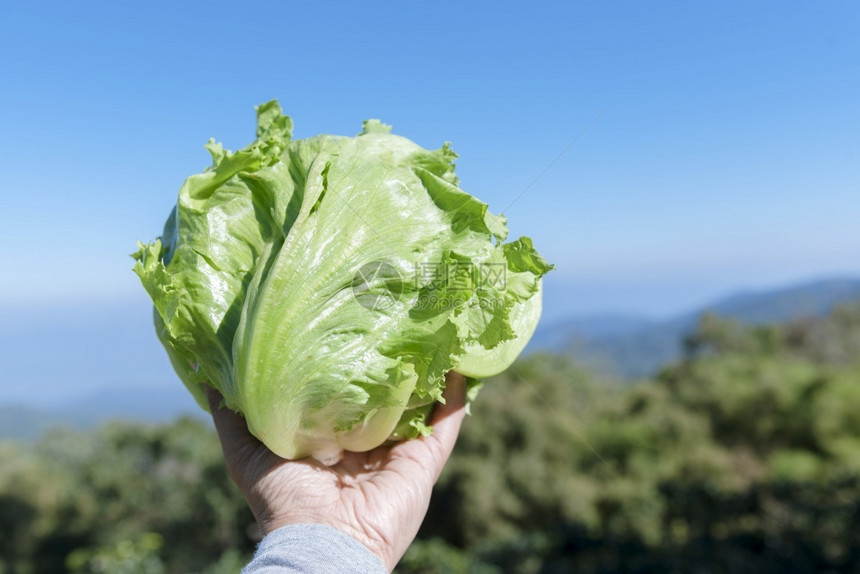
(325, 286)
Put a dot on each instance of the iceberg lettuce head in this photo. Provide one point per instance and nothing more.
(326, 285)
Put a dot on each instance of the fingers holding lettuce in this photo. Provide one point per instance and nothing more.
(378, 497)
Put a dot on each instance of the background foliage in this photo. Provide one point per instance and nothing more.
(742, 457)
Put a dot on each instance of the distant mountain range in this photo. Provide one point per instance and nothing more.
(26, 422)
(80, 365)
(633, 347)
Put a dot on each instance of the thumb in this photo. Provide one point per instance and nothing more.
(432, 452)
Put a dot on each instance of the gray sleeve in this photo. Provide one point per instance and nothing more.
(312, 549)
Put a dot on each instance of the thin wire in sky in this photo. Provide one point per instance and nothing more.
(553, 162)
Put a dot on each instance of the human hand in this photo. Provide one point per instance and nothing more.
(378, 497)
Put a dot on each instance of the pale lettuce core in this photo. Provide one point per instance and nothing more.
(325, 286)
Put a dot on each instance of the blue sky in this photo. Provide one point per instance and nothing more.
(727, 155)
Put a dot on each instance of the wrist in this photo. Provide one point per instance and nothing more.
(318, 547)
(377, 546)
